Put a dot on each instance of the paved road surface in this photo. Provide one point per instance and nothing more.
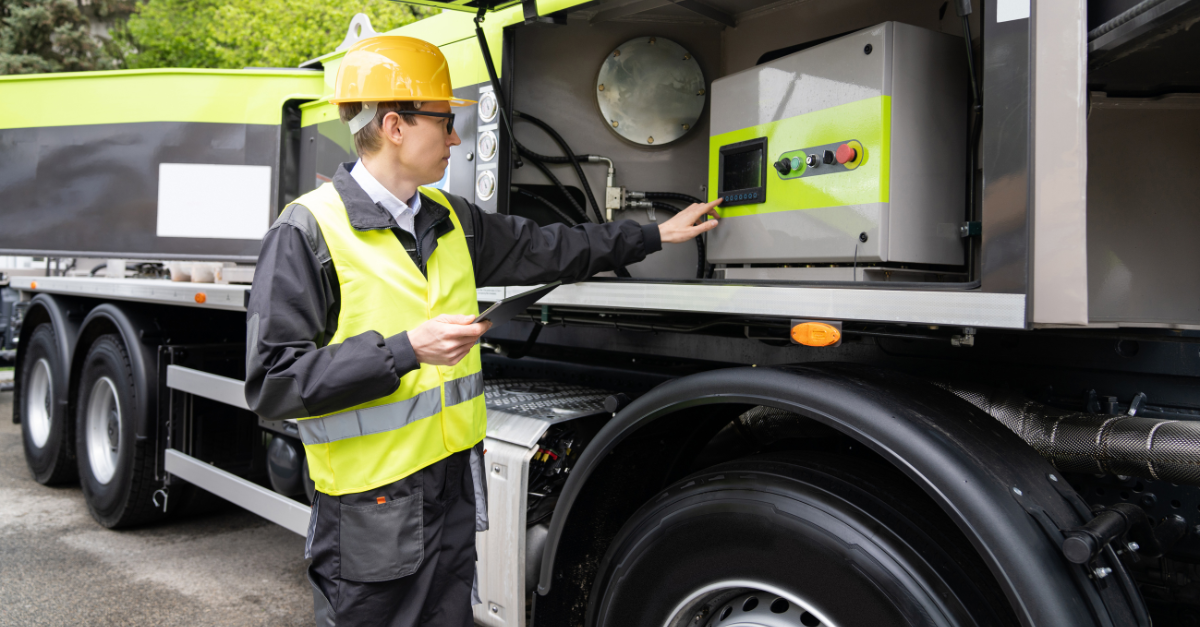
(59, 568)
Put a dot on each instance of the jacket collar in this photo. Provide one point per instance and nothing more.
(365, 215)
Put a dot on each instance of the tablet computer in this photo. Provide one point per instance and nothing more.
(504, 309)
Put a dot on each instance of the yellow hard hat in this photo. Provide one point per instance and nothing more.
(389, 68)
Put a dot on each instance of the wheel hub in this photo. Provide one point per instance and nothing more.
(103, 430)
(758, 609)
(746, 604)
(41, 403)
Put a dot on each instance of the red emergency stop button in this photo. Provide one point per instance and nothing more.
(846, 153)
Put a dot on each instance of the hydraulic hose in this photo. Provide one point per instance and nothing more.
(700, 253)
(549, 205)
(562, 188)
(672, 196)
(570, 157)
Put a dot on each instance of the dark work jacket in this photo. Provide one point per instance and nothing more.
(292, 371)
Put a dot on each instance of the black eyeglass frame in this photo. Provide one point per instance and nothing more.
(433, 114)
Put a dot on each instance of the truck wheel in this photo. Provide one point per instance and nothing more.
(45, 429)
(793, 540)
(115, 470)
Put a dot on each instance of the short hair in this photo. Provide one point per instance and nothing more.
(368, 140)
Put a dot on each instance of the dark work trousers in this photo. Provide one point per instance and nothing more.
(402, 555)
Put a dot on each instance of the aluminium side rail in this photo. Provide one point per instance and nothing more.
(967, 308)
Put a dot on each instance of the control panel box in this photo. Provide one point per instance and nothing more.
(854, 150)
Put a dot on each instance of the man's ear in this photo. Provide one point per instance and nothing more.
(392, 128)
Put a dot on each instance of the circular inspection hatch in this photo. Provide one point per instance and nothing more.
(651, 91)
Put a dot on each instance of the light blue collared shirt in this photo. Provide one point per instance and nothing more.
(404, 213)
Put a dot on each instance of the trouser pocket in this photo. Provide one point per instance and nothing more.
(382, 541)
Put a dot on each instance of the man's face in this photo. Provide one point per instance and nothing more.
(424, 152)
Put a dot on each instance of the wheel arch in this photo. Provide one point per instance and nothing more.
(131, 324)
(965, 460)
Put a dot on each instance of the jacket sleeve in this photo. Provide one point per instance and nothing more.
(291, 370)
(510, 250)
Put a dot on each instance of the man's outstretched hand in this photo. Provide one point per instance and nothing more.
(682, 227)
(446, 339)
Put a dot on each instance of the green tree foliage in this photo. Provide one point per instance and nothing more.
(249, 33)
(57, 35)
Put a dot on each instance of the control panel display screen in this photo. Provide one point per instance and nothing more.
(742, 173)
(743, 170)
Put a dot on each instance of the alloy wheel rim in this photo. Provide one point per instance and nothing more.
(103, 430)
(40, 403)
(739, 603)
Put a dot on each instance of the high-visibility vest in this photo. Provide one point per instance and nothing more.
(436, 410)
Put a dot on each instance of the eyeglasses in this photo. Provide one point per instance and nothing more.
(434, 114)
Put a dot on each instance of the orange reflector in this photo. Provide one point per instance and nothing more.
(816, 334)
(33, 285)
(381, 500)
(200, 297)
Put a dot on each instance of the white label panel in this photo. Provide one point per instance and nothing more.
(213, 201)
(1009, 10)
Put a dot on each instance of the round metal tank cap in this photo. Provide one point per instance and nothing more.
(651, 91)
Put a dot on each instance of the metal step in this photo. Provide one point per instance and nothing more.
(276, 508)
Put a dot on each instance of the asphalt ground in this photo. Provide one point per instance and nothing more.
(58, 567)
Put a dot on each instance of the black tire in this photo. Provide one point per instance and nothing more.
(46, 431)
(118, 488)
(844, 539)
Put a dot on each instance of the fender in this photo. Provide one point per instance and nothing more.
(60, 310)
(129, 322)
(968, 462)
(63, 314)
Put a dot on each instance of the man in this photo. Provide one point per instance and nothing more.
(360, 324)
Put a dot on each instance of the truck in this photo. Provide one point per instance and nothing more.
(938, 365)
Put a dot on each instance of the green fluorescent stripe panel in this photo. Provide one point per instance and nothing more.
(220, 96)
(868, 121)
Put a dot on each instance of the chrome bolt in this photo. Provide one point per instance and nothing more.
(1053, 478)
(1017, 491)
(495, 609)
(1101, 572)
(1133, 546)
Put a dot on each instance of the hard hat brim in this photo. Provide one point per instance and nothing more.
(454, 102)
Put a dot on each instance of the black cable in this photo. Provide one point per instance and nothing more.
(547, 203)
(699, 241)
(571, 158)
(673, 196)
(563, 188)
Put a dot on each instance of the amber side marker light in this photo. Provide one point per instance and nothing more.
(200, 297)
(33, 285)
(816, 333)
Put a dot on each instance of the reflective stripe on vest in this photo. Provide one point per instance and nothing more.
(381, 418)
(435, 411)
